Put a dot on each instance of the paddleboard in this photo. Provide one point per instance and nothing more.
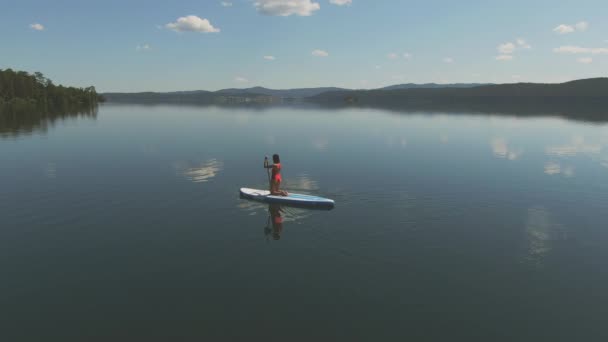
(293, 199)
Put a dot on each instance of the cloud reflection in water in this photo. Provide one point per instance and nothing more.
(201, 173)
(553, 168)
(302, 183)
(576, 146)
(502, 150)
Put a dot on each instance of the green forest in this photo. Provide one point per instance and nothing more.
(21, 91)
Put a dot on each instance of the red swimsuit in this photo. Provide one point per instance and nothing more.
(276, 173)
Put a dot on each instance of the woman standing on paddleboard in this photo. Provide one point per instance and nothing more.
(275, 180)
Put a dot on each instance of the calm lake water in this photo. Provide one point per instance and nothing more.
(128, 226)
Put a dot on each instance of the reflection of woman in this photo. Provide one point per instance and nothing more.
(277, 221)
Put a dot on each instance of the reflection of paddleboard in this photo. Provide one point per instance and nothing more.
(292, 199)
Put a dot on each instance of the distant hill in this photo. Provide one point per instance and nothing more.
(402, 95)
(197, 97)
(220, 96)
(580, 100)
(595, 87)
(282, 93)
(433, 86)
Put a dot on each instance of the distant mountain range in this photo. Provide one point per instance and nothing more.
(283, 93)
(201, 96)
(402, 95)
(594, 87)
(433, 86)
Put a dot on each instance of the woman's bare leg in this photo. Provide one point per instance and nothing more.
(274, 188)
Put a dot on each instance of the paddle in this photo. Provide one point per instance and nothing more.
(267, 171)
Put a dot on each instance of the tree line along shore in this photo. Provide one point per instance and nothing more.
(21, 91)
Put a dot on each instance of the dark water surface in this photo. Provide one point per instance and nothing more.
(127, 226)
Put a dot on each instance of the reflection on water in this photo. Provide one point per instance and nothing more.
(301, 183)
(275, 216)
(290, 214)
(50, 170)
(541, 234)
(280, 214)
(275, 219)
(502, 150)
(201, 173)
(553, 168)
(423, 220)
(576, 146)
(13, 124)
(400, 142)
(320, 143)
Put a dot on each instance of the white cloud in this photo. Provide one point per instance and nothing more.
(565, 29)
(37, 27)
(320, 53)
(516, 77)
(585, 60)
(240, 79)
(226, 3)
(448, 60)
(269, 58)
(581, 50)
(341, 2)
(394, 55)
(506, 48)
(522, 43)
(582, 26)
(192, 23)
(143, 47)
(504, 58)
(286, 8)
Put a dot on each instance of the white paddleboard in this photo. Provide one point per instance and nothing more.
(292, 199)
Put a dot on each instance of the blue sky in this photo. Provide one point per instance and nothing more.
(145, 46)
